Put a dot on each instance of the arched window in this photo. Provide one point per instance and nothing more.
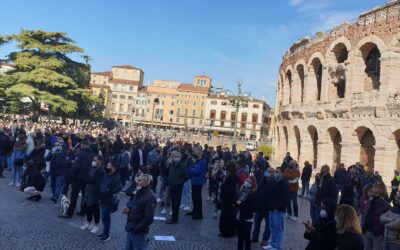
(371, 56)
(317, 67)
(300, 71)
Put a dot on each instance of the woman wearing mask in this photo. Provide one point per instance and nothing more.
(348, 229)
(18, 157)
(228, 195)
(314, 210)
(391, 220)
(322, 234)
(351, 194)
(246, 205)
(216, 165)
(93, 187)
(110, 187)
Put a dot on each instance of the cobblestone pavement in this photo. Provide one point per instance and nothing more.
(28, 225)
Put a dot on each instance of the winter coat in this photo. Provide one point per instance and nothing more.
(391, 221)
(247, 207)
(110, 186)
(263, 196)
(216, 165)
(306, 174)
(228, 194)
(93, 186)
(324, 237)
(341, 177)
(197, 172)
(124, 159)
(327, 190)
(379, 207)
(58, 163)
(293, 177)
(141, 211)
(5, 144)
(177, 175)
(82, 164)
(280, 195)
(31, 178)
(350, 241)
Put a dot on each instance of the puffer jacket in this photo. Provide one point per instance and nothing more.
(391, 221)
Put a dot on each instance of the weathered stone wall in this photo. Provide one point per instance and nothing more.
(338, 95)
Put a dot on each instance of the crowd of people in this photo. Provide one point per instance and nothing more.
(350, 209)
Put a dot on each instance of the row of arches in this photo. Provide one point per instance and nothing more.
(327, 77)
(365, 137)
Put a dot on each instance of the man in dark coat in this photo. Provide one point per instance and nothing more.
(5, 148)
(118, 145)
(326, 186)
(58, 168)
(138, 158)
(305, 178)
(140, 213)
(79, 175)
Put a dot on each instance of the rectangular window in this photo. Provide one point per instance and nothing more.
(201, 114)
(223, 103)
(148, 110)
(233, 119)
(122, 97)
(131, 88)
(256, 106)
(243, 120)
(148, 101)
(113, 107)
(202, 104)
(115, 96)
(254, 118)
(121, 107)
(194, 103)
(177, 119)
(213, 102)
(172, 104)
(222, 123)
(192, 121)
(178, 112)
(104, 82)
(194, 113)
(212, 114)
(186, 112)
(223, 115)
(129, 108)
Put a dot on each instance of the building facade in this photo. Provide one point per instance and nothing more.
(252, 122)
(124, 82)
(338, 95)
(140, 105)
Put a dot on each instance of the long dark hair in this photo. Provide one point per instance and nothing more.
(231, 168)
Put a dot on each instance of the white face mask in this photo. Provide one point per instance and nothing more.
(323, 213)
(94, 164)
(138, 187)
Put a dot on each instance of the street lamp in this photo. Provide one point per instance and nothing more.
(155, 101)
(237, 101)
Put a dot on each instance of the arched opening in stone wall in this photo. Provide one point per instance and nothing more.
(371, 56)
(314, 139)
(336, 139)
(285, 131)
(288, 79)
(341, 54)
(298, 142)
(300, 71)
(317, 67)
(367, 149)
(397, 138)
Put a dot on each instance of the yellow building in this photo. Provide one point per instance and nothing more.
(105, 92)
(124, 82)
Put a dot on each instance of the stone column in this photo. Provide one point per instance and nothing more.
(350, 152)
(385, 158)
(390, 75)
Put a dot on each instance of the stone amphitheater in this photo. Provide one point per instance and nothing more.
(338, 95)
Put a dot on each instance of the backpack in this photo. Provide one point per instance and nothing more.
(41, 183)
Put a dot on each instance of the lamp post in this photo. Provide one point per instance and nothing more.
(155, 101)
(237, 102)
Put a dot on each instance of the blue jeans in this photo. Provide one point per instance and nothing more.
(136, 241)
(162, 186)
(58, 184)
(305, 187)
(293, 199)
(276, 226)
(391, 246)
(16, 174)
(314, 213)
(186, 194)
(257, 225)
(106, 218)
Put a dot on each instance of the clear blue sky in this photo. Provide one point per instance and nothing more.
(229, 40)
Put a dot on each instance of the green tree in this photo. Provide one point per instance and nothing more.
(266, 150)
(45, 74)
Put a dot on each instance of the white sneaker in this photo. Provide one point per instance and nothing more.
(170, 213)
(294, 218)
(164, 211)
(182, 206)
(18, 184)
(95, 229)
(87, 226)
(186, 208)
(286, 215)
(268, 247)
(11, 184)
(159, 200)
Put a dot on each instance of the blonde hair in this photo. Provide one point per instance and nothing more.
(146, 178)
(347, 220)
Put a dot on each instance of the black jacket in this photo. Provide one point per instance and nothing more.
(141, 211)
(82, 164)
(177, 174)
(350, 241)
(5, 144)
(58, 163)
(247, 207)
(324, 237)
(111, 185)
(31, 178)
(327, 190)
(93, 187)
(306, 174)
(263, 196)
(280, 195)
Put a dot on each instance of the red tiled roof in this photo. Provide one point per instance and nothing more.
(191, 88)
(105, 73)
(126, 67)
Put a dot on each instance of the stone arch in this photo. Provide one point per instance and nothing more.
(285, 132)
(344, 40)
(300, 71)
(369, 52)
(289, 81)
(315, 70)
(312, 130)
(316, 55)
(298, 141)
(397, 140)
(336, 139)
(337, 56)
(367, 142)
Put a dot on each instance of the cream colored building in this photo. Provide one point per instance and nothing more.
(338, 95)
(140, 105)
(124, 82)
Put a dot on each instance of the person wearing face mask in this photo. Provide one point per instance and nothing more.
(326, 187)
(351, 194)
(58, 168)
(93, 187)
(372, 227)
(395, 186)
(391, 220)
(311, 198)
(263, 196)
(322, 234)
(109, 189)
(280, 196)
(197, 173)
(177, 176)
